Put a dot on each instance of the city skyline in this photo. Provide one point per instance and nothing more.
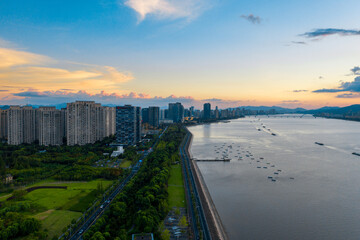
(145, 53)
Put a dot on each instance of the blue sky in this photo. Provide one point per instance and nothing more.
(237, 52)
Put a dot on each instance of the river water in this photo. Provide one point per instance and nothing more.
(283, 186)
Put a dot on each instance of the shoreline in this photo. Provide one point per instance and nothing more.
(216, 226)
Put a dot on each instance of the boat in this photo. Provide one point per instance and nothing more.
(357, 154)
(273, 134)
(276, 173)
(270, 177)
(319, 143)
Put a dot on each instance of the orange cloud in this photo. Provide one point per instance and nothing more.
(20, 69)
(10, 58)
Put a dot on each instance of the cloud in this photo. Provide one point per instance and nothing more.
(11, 58)
(348, 95)
(323, 32)
(30, 94)
(21, 70)
(290, 101)
(355, 70)
(297, 91)
(299, 42)
(353, 86)
(251, 18)
(2, 90)
(212, 100)
(163, 9)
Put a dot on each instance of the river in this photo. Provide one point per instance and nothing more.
(279, 183)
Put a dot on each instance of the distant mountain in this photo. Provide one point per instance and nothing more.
(343, 111)
(276, 108)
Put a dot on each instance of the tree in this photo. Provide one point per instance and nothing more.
(183, 222)
(165, 235)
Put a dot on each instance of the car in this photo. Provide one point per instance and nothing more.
(81, 231)
(102, 206)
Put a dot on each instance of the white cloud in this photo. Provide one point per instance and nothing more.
(167, 8)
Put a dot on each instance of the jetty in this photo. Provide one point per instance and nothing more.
(212, 160)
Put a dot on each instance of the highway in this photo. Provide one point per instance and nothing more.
(106, 202)
(196, 208)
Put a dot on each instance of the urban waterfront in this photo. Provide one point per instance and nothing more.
(280, 184)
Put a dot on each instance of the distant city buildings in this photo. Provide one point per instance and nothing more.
(85, 122)
(128, 125)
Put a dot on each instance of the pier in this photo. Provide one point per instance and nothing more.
(212, 160)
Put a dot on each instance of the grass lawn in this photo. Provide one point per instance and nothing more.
(176, 188)
(55, 220)
(125, 164)
(64, 198)
(60, 206)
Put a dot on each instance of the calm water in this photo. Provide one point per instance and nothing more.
(316, 194)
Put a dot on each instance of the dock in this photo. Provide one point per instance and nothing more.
(212, 160)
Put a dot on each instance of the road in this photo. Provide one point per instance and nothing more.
(106, 202)
(196, 208)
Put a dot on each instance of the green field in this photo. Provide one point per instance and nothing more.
(60, 206)
(125, 164)
(176, 187)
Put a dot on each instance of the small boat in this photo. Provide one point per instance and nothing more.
(274, 180)
(357, 154)
(319, 143)
(273, 134)
(265, 167)
(270, 177)
(258, 167)
(292, 178)
(276, 173)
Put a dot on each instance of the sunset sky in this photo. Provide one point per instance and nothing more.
(151, 52)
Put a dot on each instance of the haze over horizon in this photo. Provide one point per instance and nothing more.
(229, 53)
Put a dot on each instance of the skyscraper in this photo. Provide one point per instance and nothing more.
(207, 111)
(176, 112)
(128, 124)
(154, 114)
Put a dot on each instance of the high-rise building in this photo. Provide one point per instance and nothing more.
(217, 113)
(3, 124)
(15, 125)
(176, 112)
(128, 124)
(207, 111)
(82, 122)
(29, 124)
(50, 126)
(145, 115)
(21, 125)
(154, 114)
(110, 123)
(162, 114)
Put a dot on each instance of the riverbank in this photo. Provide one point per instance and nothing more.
(214, 222)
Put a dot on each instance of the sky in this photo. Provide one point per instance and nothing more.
(150, 52)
